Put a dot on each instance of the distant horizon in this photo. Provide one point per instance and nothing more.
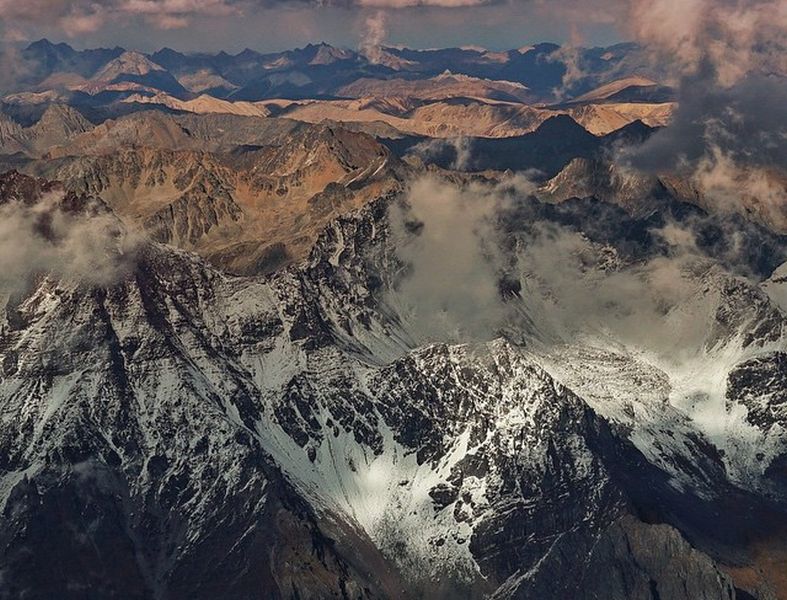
(233, 25)
(234, 52)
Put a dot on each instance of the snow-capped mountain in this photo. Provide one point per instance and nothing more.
(171, 431)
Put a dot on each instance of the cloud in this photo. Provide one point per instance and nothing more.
(728, 136)
(447, 239)
(732, 37)
(78, 22)
(47, 237)
(571, 57)
(485, 260)
(413, 3)
(14, 68)
(730, 142)
(730, 184)
(456, 152)
(734, 32)
(78, 17)
(373, 35)
(87, 16)
(746, 121)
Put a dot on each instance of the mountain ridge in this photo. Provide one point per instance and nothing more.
(315, 434)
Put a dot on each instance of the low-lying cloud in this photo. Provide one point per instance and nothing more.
(483, 260)
(374, 33)
(446, 236)
(456, 152)
(88, 245)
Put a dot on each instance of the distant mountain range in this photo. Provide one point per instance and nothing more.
(320, 70)
(437, 93)
(388, 92)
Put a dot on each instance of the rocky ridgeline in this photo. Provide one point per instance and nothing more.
(183, 433)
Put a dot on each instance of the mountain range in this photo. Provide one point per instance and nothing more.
(388, 323)
(438, 93)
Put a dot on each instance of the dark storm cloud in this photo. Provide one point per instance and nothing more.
(728, 136)
(747, 121)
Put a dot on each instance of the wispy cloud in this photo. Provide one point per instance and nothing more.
(46, 237)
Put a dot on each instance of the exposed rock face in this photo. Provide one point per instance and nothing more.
(183, 433)
(640, 193)
(654, 561)
(58, 125)
(445, 85)
(761, 385)
(466, 115)
(11, 133)
(630, 560)
(188, 219)
(584, 178)
(234, 208)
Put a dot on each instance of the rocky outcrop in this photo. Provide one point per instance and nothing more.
(179, 432)
(11, 135)
(630, 560)
(58, 125)
(760, 384)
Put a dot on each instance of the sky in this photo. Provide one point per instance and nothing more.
(267, 25)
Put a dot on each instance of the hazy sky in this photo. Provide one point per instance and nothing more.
(278, 24)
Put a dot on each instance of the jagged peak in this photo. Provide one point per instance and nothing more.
(561, 125)
(130, 62)
(45, 44)
(62, 121)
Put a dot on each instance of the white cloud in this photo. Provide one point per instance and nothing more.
(89, 245)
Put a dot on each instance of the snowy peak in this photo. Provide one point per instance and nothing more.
(294, 410)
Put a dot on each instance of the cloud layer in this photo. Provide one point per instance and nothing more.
(43, 238)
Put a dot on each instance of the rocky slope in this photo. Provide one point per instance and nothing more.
(177, 431)
(473, 117)
(58, 125)
(603, 178)
(445, 85)
(248, 211)
(203, 104)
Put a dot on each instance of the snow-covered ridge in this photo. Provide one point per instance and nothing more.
(201, 412)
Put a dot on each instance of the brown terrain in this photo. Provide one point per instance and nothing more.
(248, 212)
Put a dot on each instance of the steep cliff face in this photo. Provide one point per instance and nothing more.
(178, 432)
